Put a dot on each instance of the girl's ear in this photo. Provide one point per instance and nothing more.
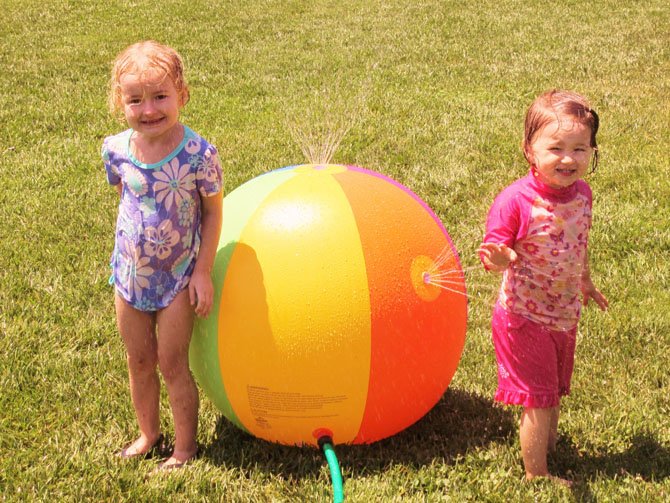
(183, 98)
(528, 154)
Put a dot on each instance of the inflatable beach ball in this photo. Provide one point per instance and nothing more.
(340, 308)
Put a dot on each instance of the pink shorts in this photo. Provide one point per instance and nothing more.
(534, 363)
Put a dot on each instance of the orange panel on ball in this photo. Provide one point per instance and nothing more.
(415, 343)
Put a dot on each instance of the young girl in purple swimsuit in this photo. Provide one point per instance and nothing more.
(537, 234)
(170, 186)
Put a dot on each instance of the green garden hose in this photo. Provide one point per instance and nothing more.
(326, 444)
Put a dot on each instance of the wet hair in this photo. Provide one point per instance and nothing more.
(558, 104)
(140, 58)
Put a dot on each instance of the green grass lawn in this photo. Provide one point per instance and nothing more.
(433, 93)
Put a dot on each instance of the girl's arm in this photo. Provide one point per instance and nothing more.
(503, 227)
(589, 291)
(200, 288)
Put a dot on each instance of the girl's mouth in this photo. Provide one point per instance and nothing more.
(151, 122)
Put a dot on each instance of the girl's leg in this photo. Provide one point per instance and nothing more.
(175, 324)
(534, 436)
(553, 428)
(137, 331)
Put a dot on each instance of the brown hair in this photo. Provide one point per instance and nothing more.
(143, 56)
(557, 103)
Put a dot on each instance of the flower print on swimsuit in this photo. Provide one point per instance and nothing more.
(192, 146)
(160, 284)
(181, 264)
(135, 181)
(186, 212)
(530, 248)
(126, 225)
(122, 269)
(208, 169)
(160, 240)
(146, 304)
(138, 269)
(554, 298)
(195, 161)
(187, 240)
(173, 183)
(525, 273)
(531, 306)
(148, 206)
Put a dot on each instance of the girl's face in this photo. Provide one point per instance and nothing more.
(150, 103)
(560, 152)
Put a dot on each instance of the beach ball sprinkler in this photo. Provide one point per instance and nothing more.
(340, 308)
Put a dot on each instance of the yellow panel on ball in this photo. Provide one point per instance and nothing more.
(294, 340)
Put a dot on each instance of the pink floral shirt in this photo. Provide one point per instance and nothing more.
(548, 229)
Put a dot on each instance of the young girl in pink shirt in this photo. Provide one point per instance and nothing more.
(536, 235)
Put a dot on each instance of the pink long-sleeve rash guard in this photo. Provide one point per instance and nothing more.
(548, 229)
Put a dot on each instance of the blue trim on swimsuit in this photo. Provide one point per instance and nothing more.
(188, 134)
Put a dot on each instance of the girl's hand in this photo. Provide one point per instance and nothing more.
(589, 291)
(496, 257)
(201, 293)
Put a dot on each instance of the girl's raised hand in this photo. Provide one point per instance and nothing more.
(496, 257)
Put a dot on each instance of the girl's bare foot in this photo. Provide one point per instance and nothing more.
(561, 481)
(558, 480)
(176, 461)
(143, 446)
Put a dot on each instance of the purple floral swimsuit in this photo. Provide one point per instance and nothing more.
(158, 226)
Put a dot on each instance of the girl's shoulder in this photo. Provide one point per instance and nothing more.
(583, 191)
(116, 144)
(514, 193)
(582, 187)
(195, 143)
(519, 186)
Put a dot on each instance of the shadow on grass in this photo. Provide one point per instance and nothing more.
(645, 458)
(459, 421)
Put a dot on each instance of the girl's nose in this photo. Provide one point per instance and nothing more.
(148, 107)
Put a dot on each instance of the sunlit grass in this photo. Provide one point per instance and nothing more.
(431, 93)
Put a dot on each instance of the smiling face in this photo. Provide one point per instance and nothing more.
(560, 152)
(150, 103)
